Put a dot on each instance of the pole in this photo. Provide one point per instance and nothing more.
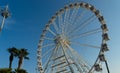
(3, 20)
(2, 23)
(107, 66)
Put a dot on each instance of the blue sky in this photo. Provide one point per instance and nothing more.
(28, 17)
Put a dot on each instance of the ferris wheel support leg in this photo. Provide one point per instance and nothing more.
(107, 66)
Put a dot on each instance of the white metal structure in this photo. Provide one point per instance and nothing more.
(5, 14)
(73, 41)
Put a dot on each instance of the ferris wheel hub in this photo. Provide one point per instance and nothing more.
(61, 39)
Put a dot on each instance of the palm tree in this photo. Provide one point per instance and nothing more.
(22, 54)
(12, 52)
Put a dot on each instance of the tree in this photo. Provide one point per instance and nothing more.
(20, 71)
(22, 54)
(12, 52)
(5, 70)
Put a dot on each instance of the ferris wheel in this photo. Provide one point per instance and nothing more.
(74, 41)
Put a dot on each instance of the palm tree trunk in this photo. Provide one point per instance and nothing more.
(10, 60)
(20, 62)
(10, 64)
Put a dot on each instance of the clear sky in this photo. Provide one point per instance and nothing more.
(28, 18)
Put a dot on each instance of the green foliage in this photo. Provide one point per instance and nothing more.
(13, 50)
(20, 71)
(23, 53)
(5, 70)
(9, 70)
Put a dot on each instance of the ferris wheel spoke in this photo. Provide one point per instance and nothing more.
(56, 27)
(81, 61)
(48, 38)
(77, 19)
(91, 32)
(83, 25)
(74, 13)
(72, 19)
(47, 62)
(60, 22)
(67, 20)
(66, 57)
(75, 53)
(74, 60)
(51, 32)
(47, 52)
(54, 55)
(48, 45)
(85, 45)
